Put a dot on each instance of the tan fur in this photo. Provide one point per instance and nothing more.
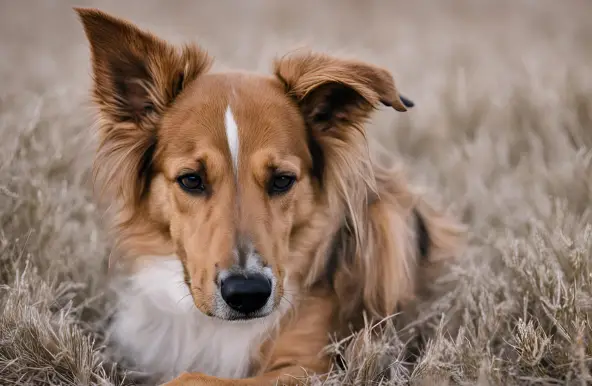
(343, 238)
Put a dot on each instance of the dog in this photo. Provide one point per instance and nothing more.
(251, 218)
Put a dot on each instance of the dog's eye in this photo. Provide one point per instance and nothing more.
(281, 183)
(191, 183)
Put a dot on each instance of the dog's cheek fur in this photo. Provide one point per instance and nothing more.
(159, 200)
(301, 237)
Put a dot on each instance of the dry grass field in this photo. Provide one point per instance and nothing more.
(501, 135)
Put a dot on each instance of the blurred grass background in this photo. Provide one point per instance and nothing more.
(501, 134)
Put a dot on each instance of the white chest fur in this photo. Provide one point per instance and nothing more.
(160, 330)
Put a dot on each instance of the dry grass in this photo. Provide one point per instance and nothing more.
(502, 133)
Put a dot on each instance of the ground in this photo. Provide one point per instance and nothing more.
(501, 136)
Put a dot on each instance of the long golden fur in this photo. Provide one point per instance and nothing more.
(350, 238)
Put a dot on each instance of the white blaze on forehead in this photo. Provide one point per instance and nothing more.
(232, 137)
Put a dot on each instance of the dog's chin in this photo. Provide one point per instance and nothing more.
(246, 318)
(227, 314)
(237, 317)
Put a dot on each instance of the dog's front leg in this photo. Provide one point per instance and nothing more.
(291, 356)
(290, 376)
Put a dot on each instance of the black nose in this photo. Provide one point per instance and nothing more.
(246, 293)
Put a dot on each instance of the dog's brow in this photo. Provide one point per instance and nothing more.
(232, 137)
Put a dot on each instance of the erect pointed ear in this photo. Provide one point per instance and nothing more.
(333, 92)
(136, 75)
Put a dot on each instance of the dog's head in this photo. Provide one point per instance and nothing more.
(244, 177)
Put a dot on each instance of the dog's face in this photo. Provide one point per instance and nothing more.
(232, 179)
(232, 172)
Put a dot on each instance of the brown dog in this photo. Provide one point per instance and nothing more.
(256, 221)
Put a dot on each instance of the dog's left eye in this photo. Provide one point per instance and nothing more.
(281, 183)
(191, 183)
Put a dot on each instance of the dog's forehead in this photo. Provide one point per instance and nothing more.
(237, 114)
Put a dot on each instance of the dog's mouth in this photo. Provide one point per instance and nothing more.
(243, 317)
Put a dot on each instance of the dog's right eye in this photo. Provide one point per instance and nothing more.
(191, 183)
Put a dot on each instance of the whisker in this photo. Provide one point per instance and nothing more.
(183, 298)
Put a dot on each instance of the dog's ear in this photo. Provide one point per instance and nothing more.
(136, 77)
(333, 92)
(136, 74)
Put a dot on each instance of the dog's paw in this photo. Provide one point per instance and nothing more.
(188, 379)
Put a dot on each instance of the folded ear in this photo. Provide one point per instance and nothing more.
(136, 75)
(333, 92)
